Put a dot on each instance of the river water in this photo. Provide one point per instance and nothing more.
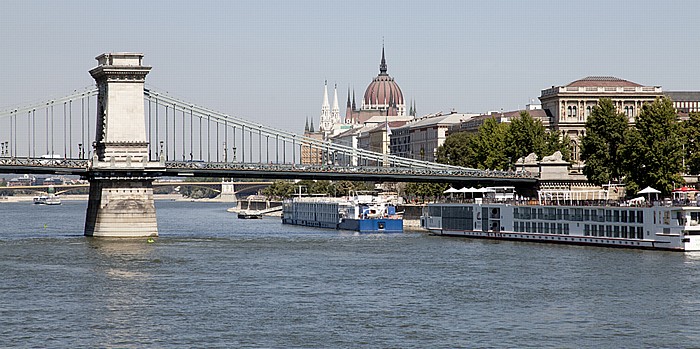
(211, 280)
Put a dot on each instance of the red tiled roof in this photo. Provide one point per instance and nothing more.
(603, 81)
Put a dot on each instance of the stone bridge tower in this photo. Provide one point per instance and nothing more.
(121, 192)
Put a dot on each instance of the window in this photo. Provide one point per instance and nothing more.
(623, 232)
(608, 231)
(568, 112)
(616, 216)
(632, 216)
(640, 233)
(573, 110)
(623, 216)
(617, 232)
(594, 230)
(640, 216)
(588, 111)
(586, 230)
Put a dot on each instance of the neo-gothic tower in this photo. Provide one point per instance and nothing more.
(335, 111)
(325, 122)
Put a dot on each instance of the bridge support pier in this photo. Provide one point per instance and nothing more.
(121, 208)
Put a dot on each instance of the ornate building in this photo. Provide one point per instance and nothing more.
(568, 107)
(383, 96)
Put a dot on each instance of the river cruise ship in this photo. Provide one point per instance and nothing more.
(362, 213)
(570, 218)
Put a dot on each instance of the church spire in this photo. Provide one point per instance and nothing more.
(353, 99)
(325, 105)
(311, 128)
(382, 66)
(348, 104)
(335, 111)
(306, 126)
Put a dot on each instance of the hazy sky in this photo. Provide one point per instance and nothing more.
(267, 60)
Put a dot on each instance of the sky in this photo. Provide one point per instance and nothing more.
(267, 60)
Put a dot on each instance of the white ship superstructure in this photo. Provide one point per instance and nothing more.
(661, 225)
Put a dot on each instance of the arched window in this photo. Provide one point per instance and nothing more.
(568, 112)
(588, 111)
(631, 112)
(573, 110)
(574, 150)
(627, 111)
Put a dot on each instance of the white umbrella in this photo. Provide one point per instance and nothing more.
(450, 190)
(466, 190)
(649, 191)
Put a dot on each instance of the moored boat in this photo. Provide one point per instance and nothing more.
(571, 220)
(362, 213)
(47, 200)
(249, 215)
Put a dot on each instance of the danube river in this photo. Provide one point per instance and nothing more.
(212, 280)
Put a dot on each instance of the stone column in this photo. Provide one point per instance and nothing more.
(121, 193)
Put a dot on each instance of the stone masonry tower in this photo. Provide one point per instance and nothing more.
(121, 177)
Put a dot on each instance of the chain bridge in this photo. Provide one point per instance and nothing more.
(121, 135)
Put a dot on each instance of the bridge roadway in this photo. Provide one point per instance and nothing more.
(82, 168)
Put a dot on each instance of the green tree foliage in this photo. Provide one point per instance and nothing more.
(605, 134)
(279, 190)
(425, 190)
(690, 129)
(526, 135)
(342, 188)
(484, 149)
(498, 145)
(652, 153)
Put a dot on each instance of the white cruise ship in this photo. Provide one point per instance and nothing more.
(668, 225)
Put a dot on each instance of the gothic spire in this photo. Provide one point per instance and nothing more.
(311, 128)
(325, 95)
(353, 99)
(348, 104)
(382, 66)
(335, 107)
(306, 127)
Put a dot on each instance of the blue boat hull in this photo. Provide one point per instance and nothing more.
(359, 225)
(372, 225)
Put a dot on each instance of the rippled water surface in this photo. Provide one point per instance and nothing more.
(212, 280)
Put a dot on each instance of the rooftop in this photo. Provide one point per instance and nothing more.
(602, 81)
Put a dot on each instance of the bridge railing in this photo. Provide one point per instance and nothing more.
(296, 168)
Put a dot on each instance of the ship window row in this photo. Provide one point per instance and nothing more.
(451, 211)
(580, 214)
(616, 231)
(541, 227)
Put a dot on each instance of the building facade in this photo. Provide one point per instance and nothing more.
(568, 107)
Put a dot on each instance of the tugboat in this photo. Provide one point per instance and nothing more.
(50, 199)
(249, 215)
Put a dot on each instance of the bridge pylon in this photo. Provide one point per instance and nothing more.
(121, 175)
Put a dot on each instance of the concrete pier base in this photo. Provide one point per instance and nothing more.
(121, 208)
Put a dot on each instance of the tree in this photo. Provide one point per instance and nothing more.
(652, 154)
(498, 145)
(279, 190)
(526, 135)
(605, 134)
(690, 129)
(425, 190)
(458, 150)
(484, 149)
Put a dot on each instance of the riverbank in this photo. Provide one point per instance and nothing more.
(157, 197)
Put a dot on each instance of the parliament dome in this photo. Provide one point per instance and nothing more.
(383, 90)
